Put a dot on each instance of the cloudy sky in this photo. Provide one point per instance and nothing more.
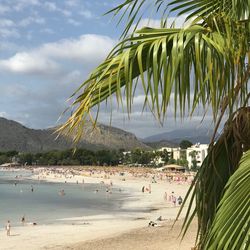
(47, 48)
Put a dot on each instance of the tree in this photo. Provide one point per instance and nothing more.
(184, 144)
(194, 161)
(26, 158)
(202, 65)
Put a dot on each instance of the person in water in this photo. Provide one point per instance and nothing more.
(23, 220)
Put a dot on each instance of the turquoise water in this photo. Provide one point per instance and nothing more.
(45, 206)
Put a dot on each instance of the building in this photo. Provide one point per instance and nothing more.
(172, 168)
(197, 152)
(175, 153)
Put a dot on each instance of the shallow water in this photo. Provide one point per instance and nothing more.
(45, 206)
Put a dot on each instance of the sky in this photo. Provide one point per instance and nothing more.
(48, 48)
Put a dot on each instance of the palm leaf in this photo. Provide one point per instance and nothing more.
(231, 226)
(235, 9)
(164, 60)
(135, 10)
(213, 176)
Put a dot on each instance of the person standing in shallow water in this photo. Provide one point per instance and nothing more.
(7, 227)
(23, 220)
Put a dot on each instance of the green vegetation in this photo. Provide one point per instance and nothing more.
(85, 157)
(194, 162)
(202, 65)
(185, 144)
(66, 157)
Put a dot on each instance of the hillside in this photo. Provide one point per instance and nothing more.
(15, 136)
(162, 143)
(202, 135)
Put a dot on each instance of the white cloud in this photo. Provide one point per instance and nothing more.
(29, 63)
(4, 8)
(21, 4)
(51, 6)
(9, 46)
(65, 12)
(72, 3)
(6, 23)
(3, 114)
(88, 48)
(31, 20)
(86, 14)
(178, 22)
(47, 30)
(49, 58)
(73, 22)
(7, 32)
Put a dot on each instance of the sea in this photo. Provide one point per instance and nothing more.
(45, 205)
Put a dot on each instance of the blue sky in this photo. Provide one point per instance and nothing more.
(47, 48)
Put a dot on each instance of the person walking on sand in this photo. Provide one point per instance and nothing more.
(166, 196)
(149, 188)
(7, 227)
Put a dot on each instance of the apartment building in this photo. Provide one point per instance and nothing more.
(196, 152)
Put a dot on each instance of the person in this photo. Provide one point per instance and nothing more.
(152, 224)
(143, 188)
(23, 220)
(174, 200)
(149, 188)
(179, 200)
(7, 227)
(166, 196)
(159, 218)
(32, 189)
(62, 193)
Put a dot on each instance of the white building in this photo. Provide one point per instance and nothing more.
(176, 152)
(196, 152)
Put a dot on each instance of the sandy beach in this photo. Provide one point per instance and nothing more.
(127, 230)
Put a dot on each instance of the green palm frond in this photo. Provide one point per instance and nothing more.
(208, 187)
(164, 60)
(134, 10)
(205, 64)
(235, 9)
(231, 226)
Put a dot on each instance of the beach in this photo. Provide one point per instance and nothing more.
(146, 238)
(128, 227)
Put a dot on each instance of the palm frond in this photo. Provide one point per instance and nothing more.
(208, 187)
(135, 10)
(235, 9)
(164, 60)
(231, 226)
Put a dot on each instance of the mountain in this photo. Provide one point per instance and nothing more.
(202, 135)
(162, 143)
(15, 136)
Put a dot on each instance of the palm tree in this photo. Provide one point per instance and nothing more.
(203, 64)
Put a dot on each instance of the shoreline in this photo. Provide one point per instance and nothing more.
(98, 227)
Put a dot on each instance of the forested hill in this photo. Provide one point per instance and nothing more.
(15, 136)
